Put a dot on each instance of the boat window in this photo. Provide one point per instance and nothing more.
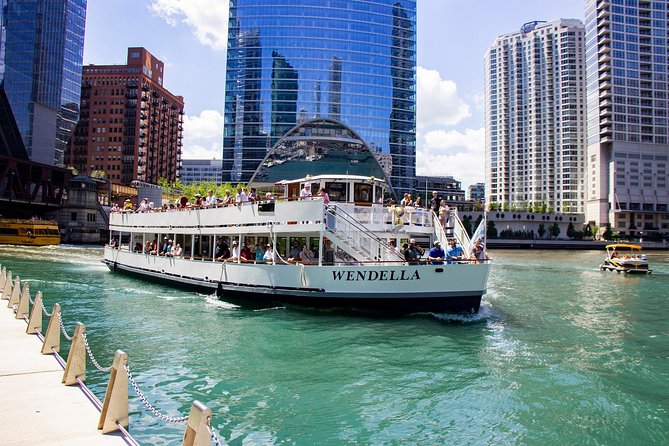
(40, 231)
(294, 191)
(362, 193)
(281, 246)
(336, 191)
(53, 231)
(9, 231)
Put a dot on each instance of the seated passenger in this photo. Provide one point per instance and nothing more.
(259, 252)
(177, 251)
(246, 254)
(294, 253)
(269, 254)
(409, 254)
(306, 255)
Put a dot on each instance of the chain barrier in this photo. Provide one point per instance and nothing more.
(15, 308)
(146, 402)
(90, 355)
(212, 432)
(47, 314)
(62, 327)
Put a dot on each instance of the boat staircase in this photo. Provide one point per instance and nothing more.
(355, 239)
(456, 231)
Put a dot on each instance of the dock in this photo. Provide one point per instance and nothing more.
(35, 407)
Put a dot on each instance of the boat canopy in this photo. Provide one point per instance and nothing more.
(622, 245)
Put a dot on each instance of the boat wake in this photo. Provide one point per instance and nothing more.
(483, 315)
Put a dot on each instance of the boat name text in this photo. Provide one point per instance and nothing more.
(356, 276)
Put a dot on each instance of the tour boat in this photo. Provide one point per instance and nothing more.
(16, 231)
(626, 258)
(351, 263)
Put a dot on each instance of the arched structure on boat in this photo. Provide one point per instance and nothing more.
(320, 146)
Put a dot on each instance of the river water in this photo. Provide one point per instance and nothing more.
(560, 353)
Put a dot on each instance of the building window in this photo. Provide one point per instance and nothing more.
(73, 216)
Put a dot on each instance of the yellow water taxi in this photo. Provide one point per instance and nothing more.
(625, 258)
(15, 231)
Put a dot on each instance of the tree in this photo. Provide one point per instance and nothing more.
(554, 230)
(608, 234)
(571, 232)
(491, 229)
(467, 224)
(542, 230)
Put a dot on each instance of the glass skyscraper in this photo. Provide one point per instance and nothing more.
(293, 61)
(41, 53)
(628, 115)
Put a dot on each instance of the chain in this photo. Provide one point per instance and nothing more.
(15, 308)
(147, 404)
(62, 327)
(46, 313)
(212, 432)
(90, 355)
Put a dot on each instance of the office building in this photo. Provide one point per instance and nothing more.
(41, 51)
(627, 152)
(195, 171)
(447, 187)
(348, 65)
(476, 192)
(535, 116)
(131, 126)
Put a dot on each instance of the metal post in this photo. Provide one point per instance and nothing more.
(35, 321)
(115, 407)
(76, 360)
(197, 432)
(52, 333)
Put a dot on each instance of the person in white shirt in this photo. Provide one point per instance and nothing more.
(144, 206)
(235, 251)
(305, 193)
(269, 254)
(210, 200)
(241, 196)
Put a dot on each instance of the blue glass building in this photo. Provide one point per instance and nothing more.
(41, 53)
(351, 61)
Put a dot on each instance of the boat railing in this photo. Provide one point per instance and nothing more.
(454, 229)
(357, 235)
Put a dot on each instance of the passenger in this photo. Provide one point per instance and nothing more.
(259, 252)
(391, 250)
(241, 196)
(437, 254)
(268, 257)
(306, 255)
(148, 247)
(138, 247)
(324, 195)
(227, 199)
(127, 207)
(406, 201)
(454, 251)
(418, 252)
(294, 253)
(163, 247)
(210, 200)
(235, 255)
(168, 249)
(305, 193)
(177, 251)
(115, 208)
(444, 213)
(418, 203)
(434, 202)
(328, 255)
(478, 252)
(183, 202)
(253, 195)
(222, 250)
(143, 205)
(269, 196)
(409, 254)
(246, 255)
(198, 201)
(113, 243)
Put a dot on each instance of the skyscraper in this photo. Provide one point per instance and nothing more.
(41, 52)
(131, 126)
(292, 61)
(535, 116)
(628, 151)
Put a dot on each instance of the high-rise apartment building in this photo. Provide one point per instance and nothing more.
(535, 116)
(131, 126)
(195, 171)
(293, 61)
(41, 52)
(628, 151)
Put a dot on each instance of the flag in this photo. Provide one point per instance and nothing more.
(478, 234)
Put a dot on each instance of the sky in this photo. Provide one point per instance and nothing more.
(190, 37)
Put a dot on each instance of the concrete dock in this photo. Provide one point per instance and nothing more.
(35, 408)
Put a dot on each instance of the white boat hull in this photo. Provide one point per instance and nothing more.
(378, 287)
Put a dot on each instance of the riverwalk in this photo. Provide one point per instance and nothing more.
(35, 408)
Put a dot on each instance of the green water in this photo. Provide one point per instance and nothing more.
(561, 354)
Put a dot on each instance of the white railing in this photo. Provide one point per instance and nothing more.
(453, 229)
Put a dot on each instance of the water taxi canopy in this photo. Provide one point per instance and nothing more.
(615, 246)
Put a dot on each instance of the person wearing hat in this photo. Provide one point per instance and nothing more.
(128, 205)
(418, 252)
(454, 252)
(436, 255)
(198, 200)
(235, 251)
(269, 254)
(144, 205)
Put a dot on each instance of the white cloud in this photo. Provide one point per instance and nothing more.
(203, 135)
(455, 153)
(437, 100)
(206, 126)
(208, 18)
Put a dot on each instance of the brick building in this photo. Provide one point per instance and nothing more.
(130, 126)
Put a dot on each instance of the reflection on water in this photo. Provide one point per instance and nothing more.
(560, 353)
